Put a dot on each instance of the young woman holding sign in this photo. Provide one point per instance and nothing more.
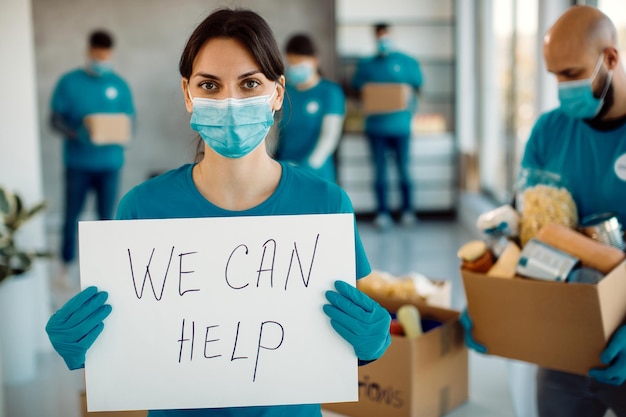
(233, 84)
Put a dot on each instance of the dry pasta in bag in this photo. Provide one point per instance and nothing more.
(543, 198)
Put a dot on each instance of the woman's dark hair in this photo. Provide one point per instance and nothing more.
(300, 44)
(100, 39)
(243, 25)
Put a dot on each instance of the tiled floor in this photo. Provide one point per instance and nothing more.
(428, 248)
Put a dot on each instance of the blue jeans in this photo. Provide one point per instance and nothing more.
(399, 145)
(78, 183)
(561, 394)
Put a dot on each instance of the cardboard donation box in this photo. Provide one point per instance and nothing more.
(426, 376)
(85, 413)
(380, 98)
(562, 326)
(105, 128)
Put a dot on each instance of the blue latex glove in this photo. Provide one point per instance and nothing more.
(360, 320)
(76, 325)
(615, 356)
(467, 324)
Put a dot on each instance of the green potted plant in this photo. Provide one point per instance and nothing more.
(14, 260)
(18, 287)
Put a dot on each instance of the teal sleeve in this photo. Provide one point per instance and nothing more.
(59, 103)
(363, 267)
(360, 76)
(418, 78)
(533, 152)
(126, 209)
(336, 100)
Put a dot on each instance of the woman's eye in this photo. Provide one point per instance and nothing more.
(207, 85)
(250, 84)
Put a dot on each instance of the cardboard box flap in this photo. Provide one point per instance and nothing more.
(530, 320)
(611, 292)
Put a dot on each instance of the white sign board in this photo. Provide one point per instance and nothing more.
(218, 312)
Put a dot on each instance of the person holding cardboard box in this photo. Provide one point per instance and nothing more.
(583, 141)
(92, 107)
(233, 84)
(387, 83)
(312, 120)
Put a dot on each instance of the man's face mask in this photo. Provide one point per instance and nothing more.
(577, 98)
(299, 73)
(384, 45)
(100, 68)
(233, 127)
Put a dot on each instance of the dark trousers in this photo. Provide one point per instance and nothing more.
(399, 145)
(561, 394)
(78, 183)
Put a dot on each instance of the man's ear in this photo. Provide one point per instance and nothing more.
(612, 57)
(185, 87)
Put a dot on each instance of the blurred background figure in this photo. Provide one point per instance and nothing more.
(390, 129)
(92, 109)
(313, 117)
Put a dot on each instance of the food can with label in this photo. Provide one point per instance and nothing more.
(603, 227)
(541, 261)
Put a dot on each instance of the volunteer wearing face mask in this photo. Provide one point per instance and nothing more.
(92, 90)
(233, 84)
(390, 131)
(313, 114)
(584, 141)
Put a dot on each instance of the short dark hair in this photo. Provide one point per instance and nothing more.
(301, 44)
(100, 39)
(242, 25)
(379, 27)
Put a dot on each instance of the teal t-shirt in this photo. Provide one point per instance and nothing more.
(301, 123)
(394, 67)
(78, 94)
(174, 195)
(591, 162)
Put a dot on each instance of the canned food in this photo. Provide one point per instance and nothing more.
(603, 227)
(541, 261)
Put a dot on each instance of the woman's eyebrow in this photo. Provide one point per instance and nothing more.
(248, 74)
(215, 77)
(206, 75)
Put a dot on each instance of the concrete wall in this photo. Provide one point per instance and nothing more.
(150, 36)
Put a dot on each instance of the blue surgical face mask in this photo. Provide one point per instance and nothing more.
(577, 99)
(233, 127)
(299, 73)
(384, 44)
(100, 67)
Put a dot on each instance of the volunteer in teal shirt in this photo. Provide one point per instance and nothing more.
(233, 83)
(89, 167)
(313, 117)
(590, 160)
(583, 142)
(390, 131)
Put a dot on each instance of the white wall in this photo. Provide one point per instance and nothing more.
(20, 163)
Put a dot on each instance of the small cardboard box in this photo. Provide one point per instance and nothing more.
(83, 402)
(381, 98)
(108, 128)
(426, 376)
(562, 326)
